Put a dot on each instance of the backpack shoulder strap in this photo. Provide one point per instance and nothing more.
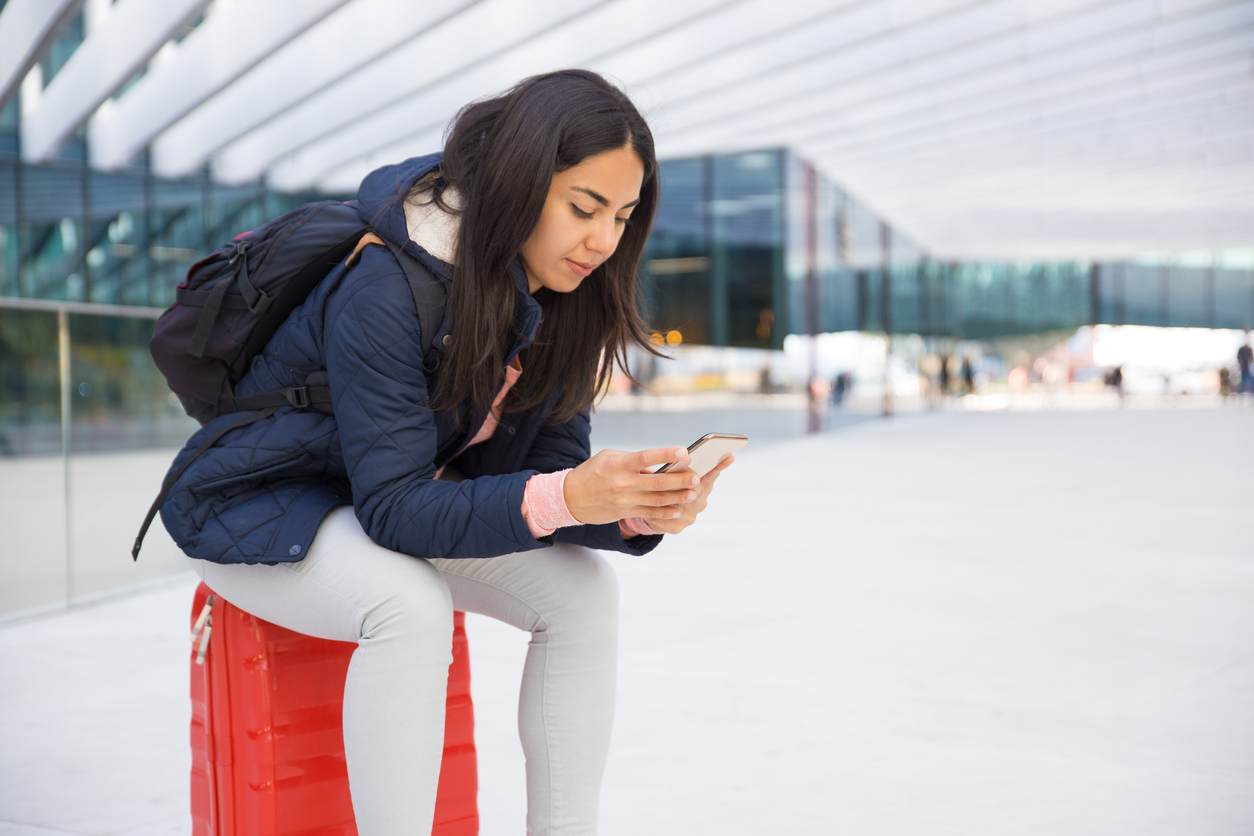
(428, 292)
(429, 300)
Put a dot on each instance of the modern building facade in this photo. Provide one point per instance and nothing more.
(750, 247)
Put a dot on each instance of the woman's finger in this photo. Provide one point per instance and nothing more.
(669, 481)
(652, 458)
(659, 498)
(656, 512)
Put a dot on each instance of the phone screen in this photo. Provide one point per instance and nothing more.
(707, 451)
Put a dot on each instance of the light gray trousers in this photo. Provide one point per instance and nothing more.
(399, 610)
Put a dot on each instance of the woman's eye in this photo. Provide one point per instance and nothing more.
(623, 221)
(580, 213)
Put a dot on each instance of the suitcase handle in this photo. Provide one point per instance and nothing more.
(204, 626)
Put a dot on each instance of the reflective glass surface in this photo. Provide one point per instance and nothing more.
(751, 247)
(30, 388)
(676, 269)
(1174, 295)
(747, 250)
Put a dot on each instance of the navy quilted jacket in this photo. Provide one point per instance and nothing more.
(259, 495)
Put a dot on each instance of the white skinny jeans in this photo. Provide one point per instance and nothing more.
(399, 610)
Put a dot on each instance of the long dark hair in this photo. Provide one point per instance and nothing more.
(500, 156)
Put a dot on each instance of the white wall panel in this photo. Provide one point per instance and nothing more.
(348, 177)
(870, 113)
(129, 35)
(344, 42)
(26, 29)
(466, 40)
(231, 41)
(578, 42)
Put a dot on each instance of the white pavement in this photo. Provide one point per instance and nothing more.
(942, 624)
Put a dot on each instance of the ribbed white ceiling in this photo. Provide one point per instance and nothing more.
(981, 128)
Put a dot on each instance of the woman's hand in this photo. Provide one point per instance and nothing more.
(688, 511)
(613, 486)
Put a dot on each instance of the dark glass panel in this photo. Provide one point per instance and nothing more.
(30, 383)
(120, 400)
(49, 260)
(675, 270)
(1192, 305)
(747, 246)
(65, 44)
(1234, 299)
(1140, 294)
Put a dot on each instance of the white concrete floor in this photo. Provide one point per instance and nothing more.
(941, 624)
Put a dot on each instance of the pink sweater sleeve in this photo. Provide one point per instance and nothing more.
(544, 504)
(544, 508)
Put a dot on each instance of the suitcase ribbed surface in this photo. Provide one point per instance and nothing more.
(267, 740)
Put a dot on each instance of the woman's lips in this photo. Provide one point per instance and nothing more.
(579, 268)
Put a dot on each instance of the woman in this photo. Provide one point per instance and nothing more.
(535, 217)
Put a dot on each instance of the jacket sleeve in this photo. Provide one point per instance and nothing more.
(388, 434)
(559, 446)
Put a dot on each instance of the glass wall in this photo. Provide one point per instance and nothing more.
(714, 263)
(1174, 295)
(748, 248)
(87, 431)
(87, 425)
(751, 247)
(70, 233)
(677, 268)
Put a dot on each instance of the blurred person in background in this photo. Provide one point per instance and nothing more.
(1225, 382)
(765, 386)
(1114, 379)
(841, 385)
(968, 375)
(472, 489)
(1245, 359)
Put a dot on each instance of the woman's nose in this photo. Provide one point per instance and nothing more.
(604, 238)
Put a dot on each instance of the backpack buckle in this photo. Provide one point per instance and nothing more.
(241, 249)
(297, 396)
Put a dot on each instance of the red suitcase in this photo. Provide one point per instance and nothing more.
(267, 740)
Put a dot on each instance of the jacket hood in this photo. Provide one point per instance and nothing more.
(380, 199)
(380, 203)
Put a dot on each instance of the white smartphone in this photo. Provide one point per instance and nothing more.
(707, 451)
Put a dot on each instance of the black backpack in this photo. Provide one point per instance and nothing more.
(234, 301)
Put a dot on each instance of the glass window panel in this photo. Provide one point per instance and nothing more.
(48, 260)
(126, 426)
(838, 297)
(864, 249)
(30, 389)
(1234, 299)
(65, 44)
(905, 299)
(113, 193)
(8, 126)
(32, 486)
(120, 399)
(1140, 295)
(747, 221)
(51, 192)
(676, 264)
(8, 260)
(8, 193)
(870, 310)
(1191, 306)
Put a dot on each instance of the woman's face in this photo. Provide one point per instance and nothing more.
(583, 219)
